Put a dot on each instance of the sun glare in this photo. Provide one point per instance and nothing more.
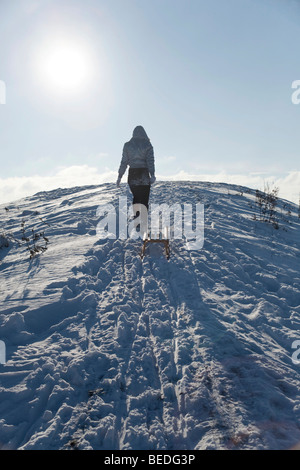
(64, 67)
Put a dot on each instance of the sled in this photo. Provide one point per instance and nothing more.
(147, 239)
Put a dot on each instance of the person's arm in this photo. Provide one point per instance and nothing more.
(123, 165)
(150, 161)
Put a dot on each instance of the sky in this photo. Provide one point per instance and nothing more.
(209, 80)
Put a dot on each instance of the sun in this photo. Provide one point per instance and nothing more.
(64, 66)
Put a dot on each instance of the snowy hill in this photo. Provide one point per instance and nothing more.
(105, 351)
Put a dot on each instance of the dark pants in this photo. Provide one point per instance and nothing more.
(140, 194)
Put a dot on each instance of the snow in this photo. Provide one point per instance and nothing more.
(105, 351)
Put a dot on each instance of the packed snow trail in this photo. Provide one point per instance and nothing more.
(105, 351)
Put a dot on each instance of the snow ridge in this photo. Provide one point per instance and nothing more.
(105, 351)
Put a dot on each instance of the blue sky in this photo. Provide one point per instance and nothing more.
(209, 80)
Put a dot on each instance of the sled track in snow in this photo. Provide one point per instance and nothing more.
(152, 329)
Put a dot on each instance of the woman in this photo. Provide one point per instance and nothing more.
(139, 156)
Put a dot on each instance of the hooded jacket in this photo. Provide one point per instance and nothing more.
(138, 154)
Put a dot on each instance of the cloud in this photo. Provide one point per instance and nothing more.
(15, 188)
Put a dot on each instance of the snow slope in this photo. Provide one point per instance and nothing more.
(105, 351)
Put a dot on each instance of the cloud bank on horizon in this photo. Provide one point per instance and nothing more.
(14, 188)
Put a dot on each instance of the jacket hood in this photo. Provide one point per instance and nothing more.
(139, 133)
